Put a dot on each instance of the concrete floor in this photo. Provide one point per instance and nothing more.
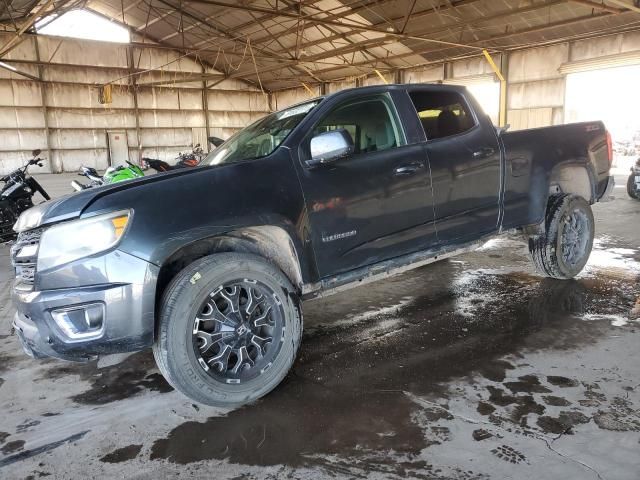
(470, 368)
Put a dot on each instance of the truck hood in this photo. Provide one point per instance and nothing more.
(72, 205)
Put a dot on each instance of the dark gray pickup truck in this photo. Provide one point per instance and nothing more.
(209, 265)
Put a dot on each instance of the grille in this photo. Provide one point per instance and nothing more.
(25, 266)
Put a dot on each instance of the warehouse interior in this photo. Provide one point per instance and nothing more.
(471, 368)
(237, 62)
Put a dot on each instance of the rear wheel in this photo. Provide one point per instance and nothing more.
(229, 329)
(563, 250)
(631, 187)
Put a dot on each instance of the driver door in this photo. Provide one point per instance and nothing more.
(375, 203)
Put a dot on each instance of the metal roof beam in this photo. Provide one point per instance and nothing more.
(11, 69)
(426, 33)
(484, 40)
(231, 36)
(224, 32)
(312, 19)
(629, 6)
(15, 39)
(598, 6)
(380, 25)
(246, 24)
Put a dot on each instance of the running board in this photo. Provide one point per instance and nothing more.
(385, 269)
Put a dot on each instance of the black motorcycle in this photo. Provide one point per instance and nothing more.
(17, 196)
(633, 183)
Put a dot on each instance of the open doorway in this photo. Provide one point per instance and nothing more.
(488, 96)
(610, 95)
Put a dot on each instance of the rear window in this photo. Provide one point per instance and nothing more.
(442, 114)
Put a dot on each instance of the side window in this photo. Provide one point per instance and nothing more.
(442, 114)
(371, 122)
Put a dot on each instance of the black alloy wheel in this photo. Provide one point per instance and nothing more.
(238, 331)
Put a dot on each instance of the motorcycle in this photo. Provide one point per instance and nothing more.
(111, 175)
(161, 166)
(16, 196)
(189, 159)
(633, 182)
(121, 173)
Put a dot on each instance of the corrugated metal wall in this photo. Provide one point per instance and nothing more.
(169, 119)
(535, 85)
(66, 104)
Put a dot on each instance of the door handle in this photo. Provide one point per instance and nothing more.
(483, 153)
(409, 169)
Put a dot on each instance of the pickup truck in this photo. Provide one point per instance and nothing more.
(209, 265)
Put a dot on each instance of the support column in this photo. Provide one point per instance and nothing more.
(56, 166)
(272, 103)
(134, 88)
(502, 119)
(504, 88)
(205, 107)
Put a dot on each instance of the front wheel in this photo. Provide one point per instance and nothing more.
(631, 187)
(564, 249)
(230, 327)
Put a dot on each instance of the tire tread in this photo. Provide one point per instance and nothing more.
(542, 248)
(168, 304)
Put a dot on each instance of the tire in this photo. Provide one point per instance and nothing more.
(631, 187)
(219, 372)
(564, 249)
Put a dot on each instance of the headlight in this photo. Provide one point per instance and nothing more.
(76, 239)
(31, 218)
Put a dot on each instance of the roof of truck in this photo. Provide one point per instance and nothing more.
(384, 88)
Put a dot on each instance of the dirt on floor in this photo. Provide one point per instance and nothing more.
(474, 367)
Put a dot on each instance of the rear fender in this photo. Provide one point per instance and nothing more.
(565, 178)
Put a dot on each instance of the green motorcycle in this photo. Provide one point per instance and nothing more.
(111, 175)
(122, 173)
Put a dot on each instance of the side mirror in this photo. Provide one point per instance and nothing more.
(36, 152)
(330, 146)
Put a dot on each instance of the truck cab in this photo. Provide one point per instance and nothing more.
(209, 266)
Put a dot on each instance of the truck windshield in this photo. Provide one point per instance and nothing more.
(260, 138)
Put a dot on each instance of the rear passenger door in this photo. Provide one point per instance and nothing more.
(464, 156)
(374, 204)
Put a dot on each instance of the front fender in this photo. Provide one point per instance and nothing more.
(180, 210)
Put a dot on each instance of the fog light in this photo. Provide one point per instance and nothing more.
(81, 322)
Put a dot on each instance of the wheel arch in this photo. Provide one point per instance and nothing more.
(273, 243)
(573, 178)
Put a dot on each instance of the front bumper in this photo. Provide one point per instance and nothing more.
(123, 284)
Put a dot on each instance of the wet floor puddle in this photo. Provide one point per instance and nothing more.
(383, 385)
(377, 390)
